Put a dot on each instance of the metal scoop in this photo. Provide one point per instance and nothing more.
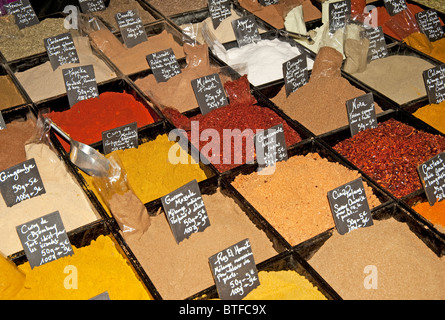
(298, 36)
(88, 159)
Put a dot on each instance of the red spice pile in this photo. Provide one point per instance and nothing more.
(87, 119)
(242, 113)
(391, 153)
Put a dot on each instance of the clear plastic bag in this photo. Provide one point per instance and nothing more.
(355, 48)
(128, 210)
(403, 24)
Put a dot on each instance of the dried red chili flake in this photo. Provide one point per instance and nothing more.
(242, 113)
(391, 153)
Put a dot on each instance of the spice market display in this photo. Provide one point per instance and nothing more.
(222, 150)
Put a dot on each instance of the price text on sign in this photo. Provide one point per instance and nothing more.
(209, 93)
(88, 6)
(432, 175)
(121, 138)
(164, 65)
(270, 146)
(234, 271)
(61, 50)
(350, 207)
(23, 12)
(80, 83)
(21, 182)
(219, 11)
(395, 6)
(429, 24)
(246, 30)
(339, 13)
(434, 80)
(361, 113)
(295, 73)
(131, 27)
(185, 211)
(377, 44)
(44, 239)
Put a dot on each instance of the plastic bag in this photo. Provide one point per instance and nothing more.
(403, 24)
(294, 19)
(128, 210)
(356, 48)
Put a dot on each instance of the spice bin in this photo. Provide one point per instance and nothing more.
(12, 94)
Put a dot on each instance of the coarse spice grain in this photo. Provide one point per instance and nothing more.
(18, 43)
(385, 261)
(242, 117)
(293, 199)
(390, 154)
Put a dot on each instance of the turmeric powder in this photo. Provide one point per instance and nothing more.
(149, 171)
(433, 114)
(11, 279)
(435, 214)
(284, 285)
(420, 41)
(90, 271)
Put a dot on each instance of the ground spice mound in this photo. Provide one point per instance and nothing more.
(293, 198)
(172, 7)
(284, 285)
(100, 268)
(435, 214)
(86, 120)
(12, 142)
(181, 270)
(391, 153)
(433, 114)
(320, 105)
(242, 117)
(10, 95)
(387, 255)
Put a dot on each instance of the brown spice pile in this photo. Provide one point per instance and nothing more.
(294, 198)
(320, 105)
(172, 7)
(401, 266)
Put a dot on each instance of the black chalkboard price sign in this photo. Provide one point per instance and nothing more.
(339, 13)
(270, 146)
(185, 211)
(80, 83)
(44, 239)
(2, 122)
(131, 27)
(209, 93)
(89, 6)
(432, 176)
(246, 30)
(121, 138)
(429, 24)
(234, 271)
(295, 73)
(61, 50)
(434, 80)
(23, 12)
(219, 11)
(377, 44)
(361, 113)
(266, 3)
(349, 207)
(164, 65)
(21, 182)
(394, 7)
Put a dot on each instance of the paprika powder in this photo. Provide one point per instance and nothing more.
(87, 119)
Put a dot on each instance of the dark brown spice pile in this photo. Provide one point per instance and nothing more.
(391, 153)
